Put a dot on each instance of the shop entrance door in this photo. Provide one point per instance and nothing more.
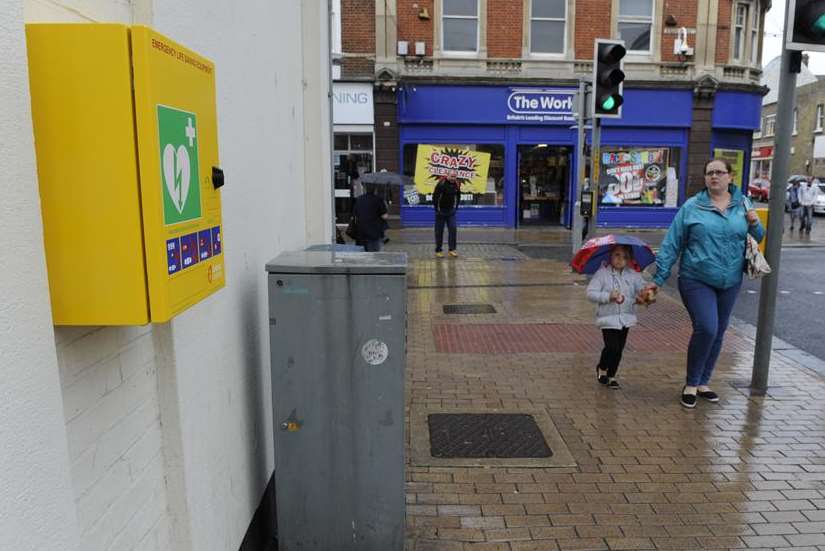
(543, 177)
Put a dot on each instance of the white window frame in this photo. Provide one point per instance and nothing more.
(639, 19)
(740, 54)
(462, 53)
(820, 117)
(754, 35)
(770, 125)
(530, 20)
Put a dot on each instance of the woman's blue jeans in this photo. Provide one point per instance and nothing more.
(710, 309)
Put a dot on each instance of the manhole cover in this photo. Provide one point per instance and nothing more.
(483, 435)
(469, 309)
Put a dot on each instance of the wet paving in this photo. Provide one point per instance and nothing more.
(746, 473)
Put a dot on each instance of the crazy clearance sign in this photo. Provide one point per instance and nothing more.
(436, 162)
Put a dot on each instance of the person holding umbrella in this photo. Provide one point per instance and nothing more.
(709, 233)
(617, 287)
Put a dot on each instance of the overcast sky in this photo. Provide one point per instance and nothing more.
(772, 46)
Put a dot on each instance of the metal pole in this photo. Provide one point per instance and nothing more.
(580, 120)
(330, 56)
(776, 220)
(595, 159)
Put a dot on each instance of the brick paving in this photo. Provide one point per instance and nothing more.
(747, 473)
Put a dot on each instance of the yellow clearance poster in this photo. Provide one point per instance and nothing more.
(436, 162)
(736, 158)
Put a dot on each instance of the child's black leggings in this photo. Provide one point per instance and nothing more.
(614, 341)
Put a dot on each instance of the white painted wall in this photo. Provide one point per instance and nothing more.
(162, 434)
(220, 355)
(110, 394)
(36, 507)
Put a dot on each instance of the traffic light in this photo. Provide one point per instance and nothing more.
(806, 25)
(608, 77)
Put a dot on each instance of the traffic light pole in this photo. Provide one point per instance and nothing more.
(581, 118)
(595, 167)
(776, 219)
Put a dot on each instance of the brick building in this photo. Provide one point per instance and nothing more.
(495, 80)
(808, 137)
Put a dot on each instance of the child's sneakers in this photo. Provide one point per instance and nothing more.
(613, 384)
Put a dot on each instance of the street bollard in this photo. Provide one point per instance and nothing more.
(763, 217)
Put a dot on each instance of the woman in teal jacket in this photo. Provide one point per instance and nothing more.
(709, 234)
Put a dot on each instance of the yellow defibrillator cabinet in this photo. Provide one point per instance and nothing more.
(125, 131)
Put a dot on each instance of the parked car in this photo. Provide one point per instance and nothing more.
(759, 189)
(819, 203)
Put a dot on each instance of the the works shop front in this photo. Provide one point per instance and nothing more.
(513, 150)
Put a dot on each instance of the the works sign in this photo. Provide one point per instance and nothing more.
(540, 105)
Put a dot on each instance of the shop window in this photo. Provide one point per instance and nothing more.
(548, 26)
(459, 26)
(635, 24)
(770, 125)
(353, 156)
(820, 118)
(639, 176)
(479, 169)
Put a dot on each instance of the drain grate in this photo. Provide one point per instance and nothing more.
(486, 435)
(469, 309)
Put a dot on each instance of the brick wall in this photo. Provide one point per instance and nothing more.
(358, 26)
(685, 13)
(723, 32)
(592, 22)
(413, 29)
(505, 28)
(110, 401)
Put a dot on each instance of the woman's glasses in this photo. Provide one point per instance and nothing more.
(715, 172)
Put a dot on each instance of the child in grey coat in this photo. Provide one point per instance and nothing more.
(611, 288)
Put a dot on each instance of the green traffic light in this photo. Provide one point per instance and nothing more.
(819, 24)
(608, 104)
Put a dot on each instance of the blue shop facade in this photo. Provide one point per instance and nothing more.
(527, 136)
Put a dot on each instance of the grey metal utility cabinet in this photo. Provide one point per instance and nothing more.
(337, 326)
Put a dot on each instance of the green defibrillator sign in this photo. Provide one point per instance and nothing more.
(180, 174)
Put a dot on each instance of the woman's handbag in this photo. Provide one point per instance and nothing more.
(352, 228)
(755, 264)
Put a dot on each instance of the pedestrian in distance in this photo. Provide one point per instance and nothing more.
(709, 234)
(807, 197)
(370, 213)
(611, 288)
(446, 197)
(794, 206)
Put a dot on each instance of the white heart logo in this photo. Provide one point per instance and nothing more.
(177, 173)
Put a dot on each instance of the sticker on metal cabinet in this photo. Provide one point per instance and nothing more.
(173, 261)
(375, 352)
(189, 250)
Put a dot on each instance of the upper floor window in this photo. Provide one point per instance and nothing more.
(636, 24)
(739, 36)
(770, 125)
(755, 36)
(459, 28)
(548, 26)
(746, 33)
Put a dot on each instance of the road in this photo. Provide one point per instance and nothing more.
(800, 304)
